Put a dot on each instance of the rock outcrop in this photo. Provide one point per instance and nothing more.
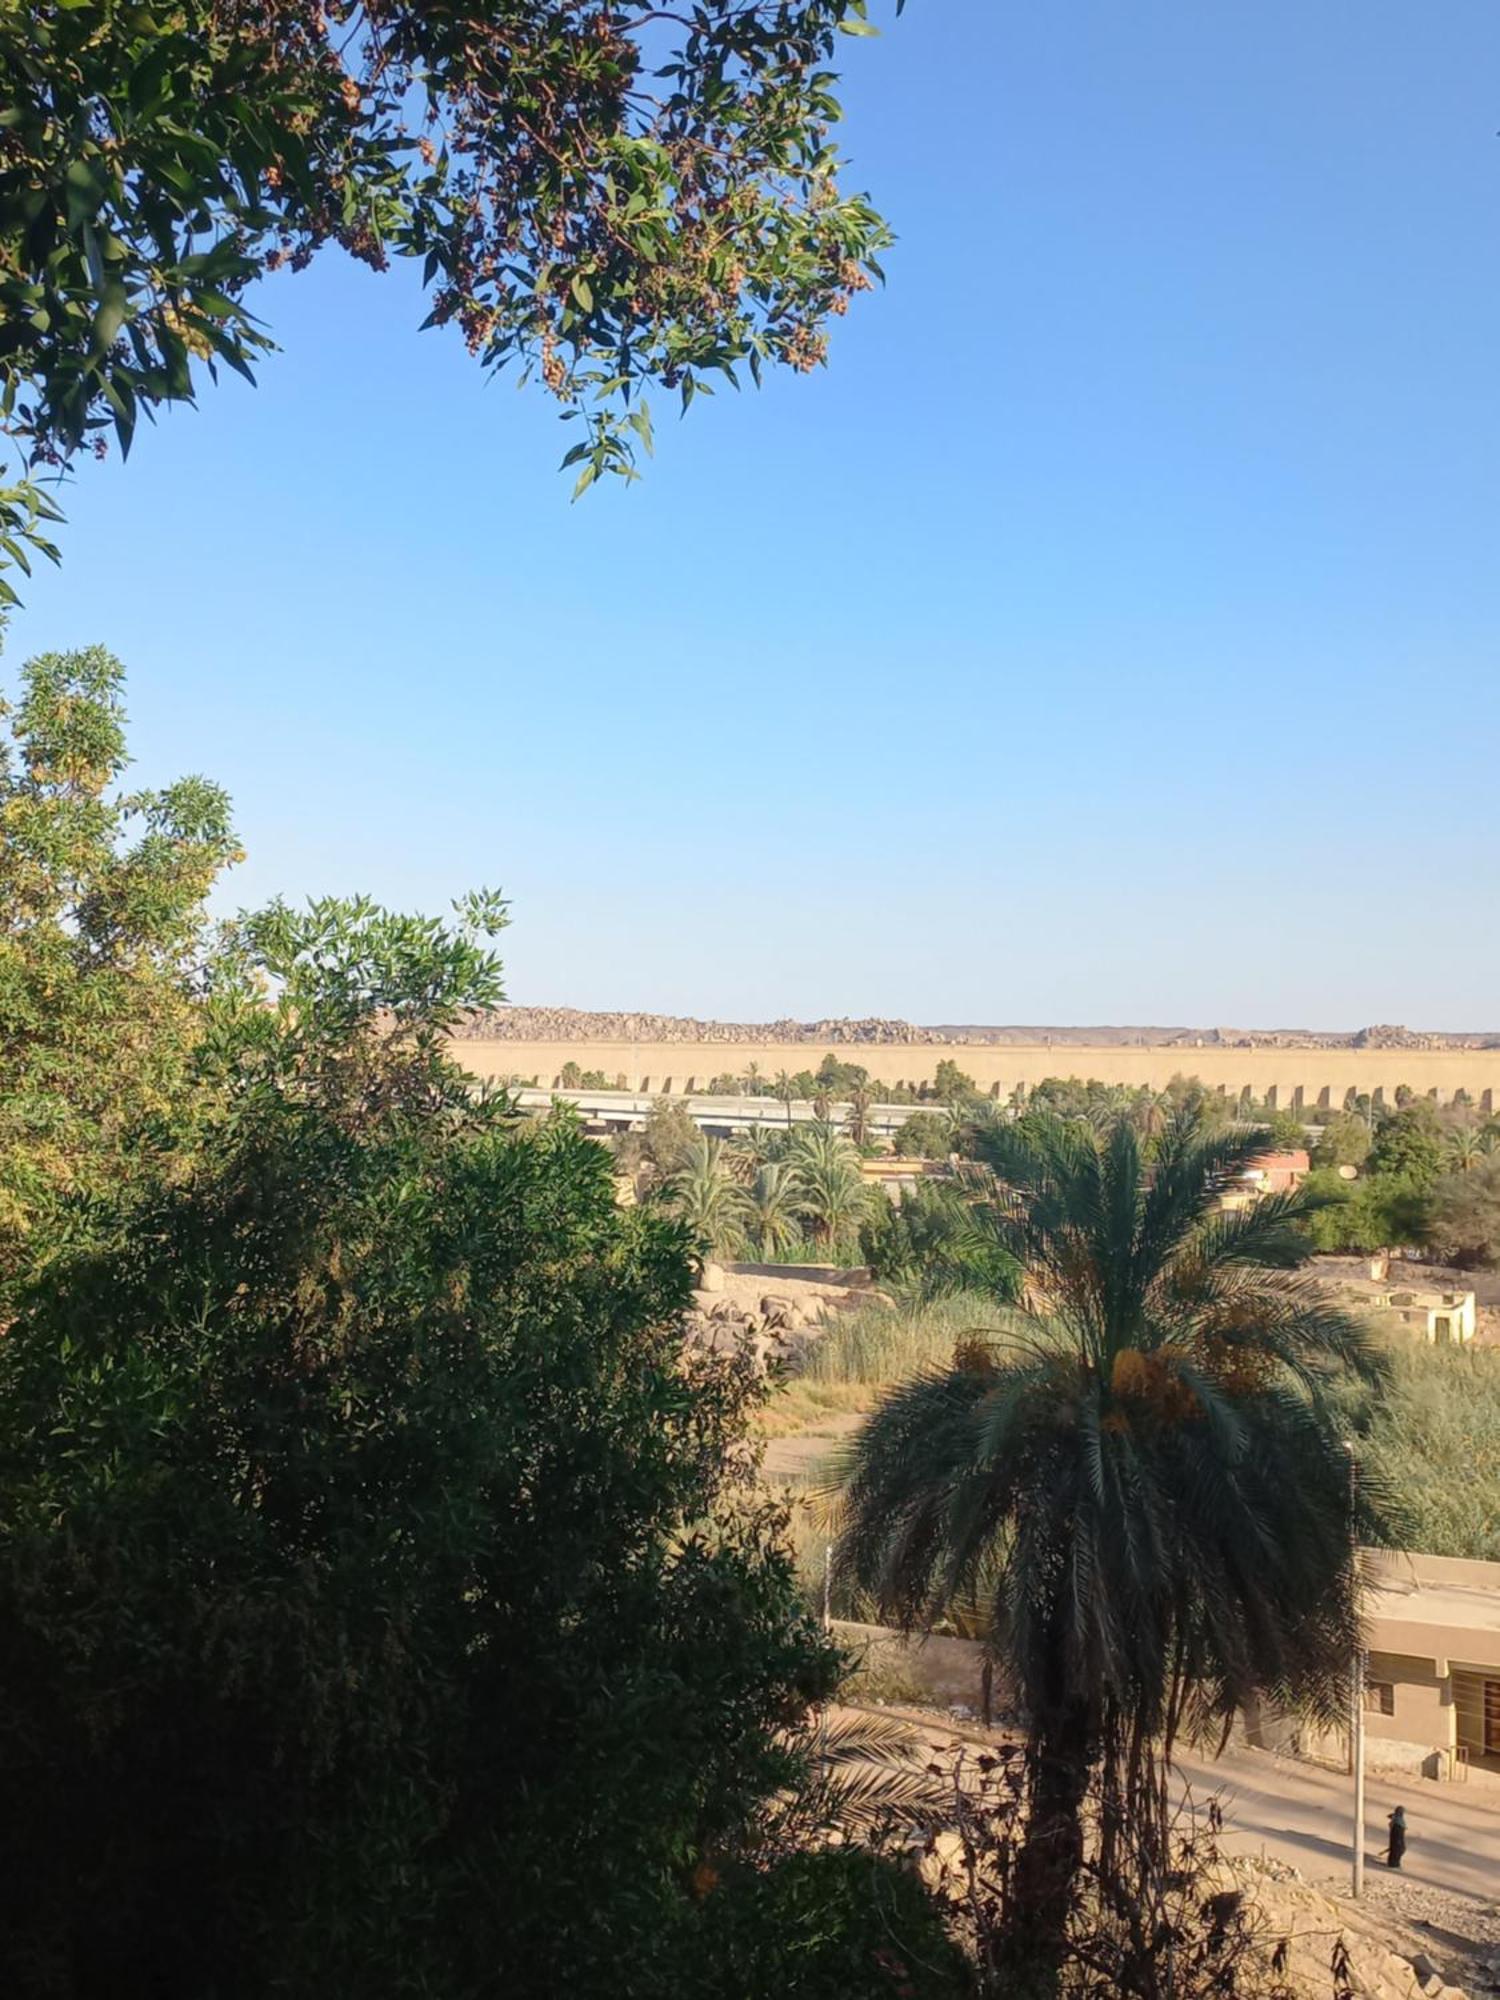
(574, 1025)
(777, 1333)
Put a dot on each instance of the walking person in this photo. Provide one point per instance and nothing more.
(1397, 1846)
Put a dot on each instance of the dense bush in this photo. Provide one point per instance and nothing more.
(842, 1924)
(378, 1611)
(926, 1135)
(938, 1239)
(1377, 1212)
(1466, 1214)
(1436, 1447)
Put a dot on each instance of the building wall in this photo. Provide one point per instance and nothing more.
(1468, 1705)
(1311, 1077)
(1423, 1711)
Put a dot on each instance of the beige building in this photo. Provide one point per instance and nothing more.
(1432, 1682)
(1443, 1318)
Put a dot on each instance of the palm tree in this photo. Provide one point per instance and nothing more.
(835, 1195)
(754, 1148)
(703, 1194)
(1142, 1485)
(785, 1087)
(861, 1103)
(773, 1208)
(1147, 1112)
(1466, 1148)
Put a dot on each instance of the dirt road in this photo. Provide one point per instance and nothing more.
(1302, 1814)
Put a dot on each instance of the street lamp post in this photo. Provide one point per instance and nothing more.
(1357, 1692)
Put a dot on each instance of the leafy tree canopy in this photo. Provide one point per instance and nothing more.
(379, 1609)
(103, 946)
(1379, 1212)
(1344, 1142)
(609, 197)
(1466, 1214)
(926, 1135)
(1409, 1142)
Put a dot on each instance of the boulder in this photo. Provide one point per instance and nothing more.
(712, 1279)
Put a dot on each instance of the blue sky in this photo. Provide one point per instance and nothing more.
(1109, 634)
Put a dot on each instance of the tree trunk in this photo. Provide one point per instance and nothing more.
(1045, 1883)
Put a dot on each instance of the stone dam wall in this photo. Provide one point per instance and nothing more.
(1307, 1077)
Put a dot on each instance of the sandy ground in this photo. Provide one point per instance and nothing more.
(1444, 1901)
(807, 1456)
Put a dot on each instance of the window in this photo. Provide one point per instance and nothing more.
(1380, 1697)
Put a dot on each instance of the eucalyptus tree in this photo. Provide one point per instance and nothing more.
(1140, 1481)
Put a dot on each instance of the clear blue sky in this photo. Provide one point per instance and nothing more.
(1110, 634)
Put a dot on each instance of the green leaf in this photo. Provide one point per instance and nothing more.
(858, 28)
(583, 292)
(114, 307)
(85, 184)
(640, 422)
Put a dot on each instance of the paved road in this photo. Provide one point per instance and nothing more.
(1301, 1813)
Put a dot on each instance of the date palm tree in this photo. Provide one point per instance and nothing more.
(1465, 1148)
(773, 1208)
(1140, 1482)
(835, 1195)
(785, 1088)
(861, 1103)
(755, 1148)
(703, 1193)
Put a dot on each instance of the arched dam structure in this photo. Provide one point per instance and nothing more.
(1289, 1078)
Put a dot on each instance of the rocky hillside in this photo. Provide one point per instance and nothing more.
(572, 1024)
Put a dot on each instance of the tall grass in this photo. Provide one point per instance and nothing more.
(882, 1342)
(1437, 1443)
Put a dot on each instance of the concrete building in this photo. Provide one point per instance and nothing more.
(1432, 1694)
(1272, 1173)
(1442, 1318)
(1432, 1676)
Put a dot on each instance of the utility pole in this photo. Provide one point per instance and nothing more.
(1357, 1691)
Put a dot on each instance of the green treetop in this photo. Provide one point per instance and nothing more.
(608, 198)
(380, 1609)
(103, 945)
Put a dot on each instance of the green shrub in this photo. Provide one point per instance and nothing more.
(378, 1614)
(843, 1924)
(938, 1239)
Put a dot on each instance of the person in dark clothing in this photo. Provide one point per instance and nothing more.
(1397, 1847)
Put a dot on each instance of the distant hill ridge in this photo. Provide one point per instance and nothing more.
(572, 1024)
